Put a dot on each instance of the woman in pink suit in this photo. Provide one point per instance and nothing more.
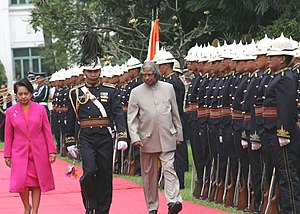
(29, 147)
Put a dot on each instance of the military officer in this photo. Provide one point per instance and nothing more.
(95, 105)
(280, 122)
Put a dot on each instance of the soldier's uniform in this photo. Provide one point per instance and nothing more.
(95, 140)
(5, 103)
(40, 95)
(181, 154)
(249, 123)
(96, 107)
(280, 115)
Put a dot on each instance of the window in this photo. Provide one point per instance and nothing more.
(27, 60)
(21, 1)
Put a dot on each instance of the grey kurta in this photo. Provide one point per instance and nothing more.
(153, 117)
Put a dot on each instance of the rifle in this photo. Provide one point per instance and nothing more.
(226, 185)
(220, 192)
(215, 184)
(274, 209)
(249, 189)
(264, 190)
(230, 193)
(204, 189)
(242, 201)
(272, 206)
(130, 170)
(237, 186)
(226, 179)
(212, 167)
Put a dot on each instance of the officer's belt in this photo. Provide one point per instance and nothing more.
(201, 112)
(61, 109)
(225, 111)
(187, 108)
(247, 116)
(237, 115)
(214, 113)
(269, 112)
(125, 108)
(94, 122)
(193, 107)
(258, 110)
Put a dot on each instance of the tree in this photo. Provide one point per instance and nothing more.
(122, 25)
(3, 77)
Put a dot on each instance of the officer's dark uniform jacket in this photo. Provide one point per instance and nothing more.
(215, 100)
(202, 110)
(127, 90)
(41, 94)
(257, 129)
(237, 115)
(249, 101)
(192, 98)
(226, 100)
(279, 107)
(88, 114)
(179, 89)
(280, 115)
(296, 72)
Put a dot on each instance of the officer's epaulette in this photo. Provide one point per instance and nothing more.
(267, 71)
(296, 68)
(255, 73)
(282, 71)
(109, 85)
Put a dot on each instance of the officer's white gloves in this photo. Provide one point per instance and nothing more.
(283, 141)
(244, 144)
(122, 145)
(255, 146)
(73, 151)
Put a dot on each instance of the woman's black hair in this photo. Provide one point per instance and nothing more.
(23, 82)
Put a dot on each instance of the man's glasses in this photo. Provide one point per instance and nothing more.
(149, 75)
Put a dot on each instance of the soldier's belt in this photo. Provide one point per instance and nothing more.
(125, 108)
(237, 115)
(269, 112)
(62, 109)
(247, 116)
(225, 111)
(215, 113)
(187, 108)
(193, 107)
(94, 122)
(201, 112)
(258, 110)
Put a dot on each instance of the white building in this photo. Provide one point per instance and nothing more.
(19, 43)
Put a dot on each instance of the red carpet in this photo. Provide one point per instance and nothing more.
(128, 197)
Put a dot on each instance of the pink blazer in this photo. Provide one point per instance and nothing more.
(16, 145)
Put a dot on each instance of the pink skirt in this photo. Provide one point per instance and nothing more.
(32, 177)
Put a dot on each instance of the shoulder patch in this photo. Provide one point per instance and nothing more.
(109, 85)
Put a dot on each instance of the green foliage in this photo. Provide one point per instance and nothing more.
(288, 22)
(124, 25)
(3, 77)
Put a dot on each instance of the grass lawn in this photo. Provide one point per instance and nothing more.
(1, 145)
